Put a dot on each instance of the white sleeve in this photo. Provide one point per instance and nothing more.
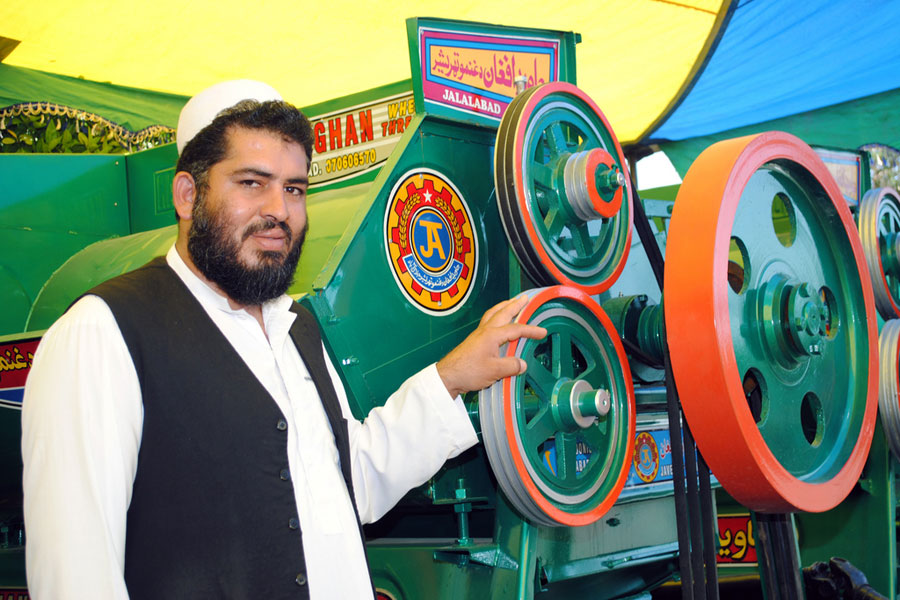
(402, 444)
(81, 427)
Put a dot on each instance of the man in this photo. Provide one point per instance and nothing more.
(184, 434)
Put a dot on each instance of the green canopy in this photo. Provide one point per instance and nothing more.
(132, 108)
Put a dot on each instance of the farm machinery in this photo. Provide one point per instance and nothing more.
(708, 389)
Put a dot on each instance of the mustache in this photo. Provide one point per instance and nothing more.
(265, 226)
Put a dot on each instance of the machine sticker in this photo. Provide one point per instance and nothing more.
(15, 363)
(646, 457)
(736, 542)
(652, 459)
(13, 594)
(430, 244)
(476, 74)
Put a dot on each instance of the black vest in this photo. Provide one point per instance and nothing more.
(212, 513)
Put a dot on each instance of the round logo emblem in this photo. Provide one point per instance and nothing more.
(646, 457)
(431, 248)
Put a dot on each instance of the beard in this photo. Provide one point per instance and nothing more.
(216, 254)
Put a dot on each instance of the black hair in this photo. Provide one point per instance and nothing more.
(209, 145)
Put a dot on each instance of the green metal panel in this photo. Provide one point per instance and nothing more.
(92, 266)
(862, 528)
(150, 175)
(55, 206)
(377, 337)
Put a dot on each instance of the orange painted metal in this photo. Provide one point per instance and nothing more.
(700, 337)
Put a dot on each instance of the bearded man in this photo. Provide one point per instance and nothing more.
(184, 433)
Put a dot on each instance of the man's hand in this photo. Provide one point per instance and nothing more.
(476, 363)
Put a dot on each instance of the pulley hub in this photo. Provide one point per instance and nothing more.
(576, 405)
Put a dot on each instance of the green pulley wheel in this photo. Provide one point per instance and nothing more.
(563, 188)
(559, 437)
(879, 230)
(889, 384)
(771, 326)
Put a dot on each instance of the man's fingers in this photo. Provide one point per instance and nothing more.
(489, 313)
(514, 331)
(507, 310)
(509, 366)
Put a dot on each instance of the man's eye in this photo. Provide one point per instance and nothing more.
(250, 183)
(294, 190)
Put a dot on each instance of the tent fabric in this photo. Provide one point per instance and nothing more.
(637, 60)
(633, 58)
(134, 109)
(874, 119)
(781, 57)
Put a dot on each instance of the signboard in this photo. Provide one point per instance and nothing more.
(737, 546)
(468, 71)
(15, 363)
(358, 139)
(476, 74)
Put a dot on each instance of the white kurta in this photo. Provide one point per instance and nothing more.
(81, 433)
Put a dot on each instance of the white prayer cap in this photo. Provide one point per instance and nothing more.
(205, 106)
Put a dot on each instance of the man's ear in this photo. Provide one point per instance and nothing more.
(184, 191)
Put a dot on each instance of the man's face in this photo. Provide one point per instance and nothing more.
(249, 223)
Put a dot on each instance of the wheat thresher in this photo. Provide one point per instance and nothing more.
(495, 175)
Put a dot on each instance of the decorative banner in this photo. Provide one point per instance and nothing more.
(476, 74)
(430, 245)
(736, 542)
(15, 363)
(357, 139)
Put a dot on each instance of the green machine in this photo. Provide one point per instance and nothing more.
(495, 175)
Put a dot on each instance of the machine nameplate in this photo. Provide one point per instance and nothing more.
(476, 74)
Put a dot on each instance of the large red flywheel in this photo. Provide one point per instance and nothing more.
(771, 326)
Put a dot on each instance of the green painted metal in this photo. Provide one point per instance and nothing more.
(58, 205)
(863, 528)
(792, 302)
(355, 292)
(629, 552)
(150, 175)
(638, 321)
(92, 266)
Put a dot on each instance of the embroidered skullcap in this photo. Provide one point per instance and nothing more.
(206, 105)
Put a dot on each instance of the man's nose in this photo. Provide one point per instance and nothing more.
(274, 204)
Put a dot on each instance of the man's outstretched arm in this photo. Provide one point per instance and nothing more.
(424, 423)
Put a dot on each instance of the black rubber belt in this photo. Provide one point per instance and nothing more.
(694, 515)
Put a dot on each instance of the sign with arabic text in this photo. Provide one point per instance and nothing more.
(15, 363)
(736, 542)
(476, 74)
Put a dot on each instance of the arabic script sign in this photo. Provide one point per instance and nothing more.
(15, 363)
(736, 541)
(477, 74)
